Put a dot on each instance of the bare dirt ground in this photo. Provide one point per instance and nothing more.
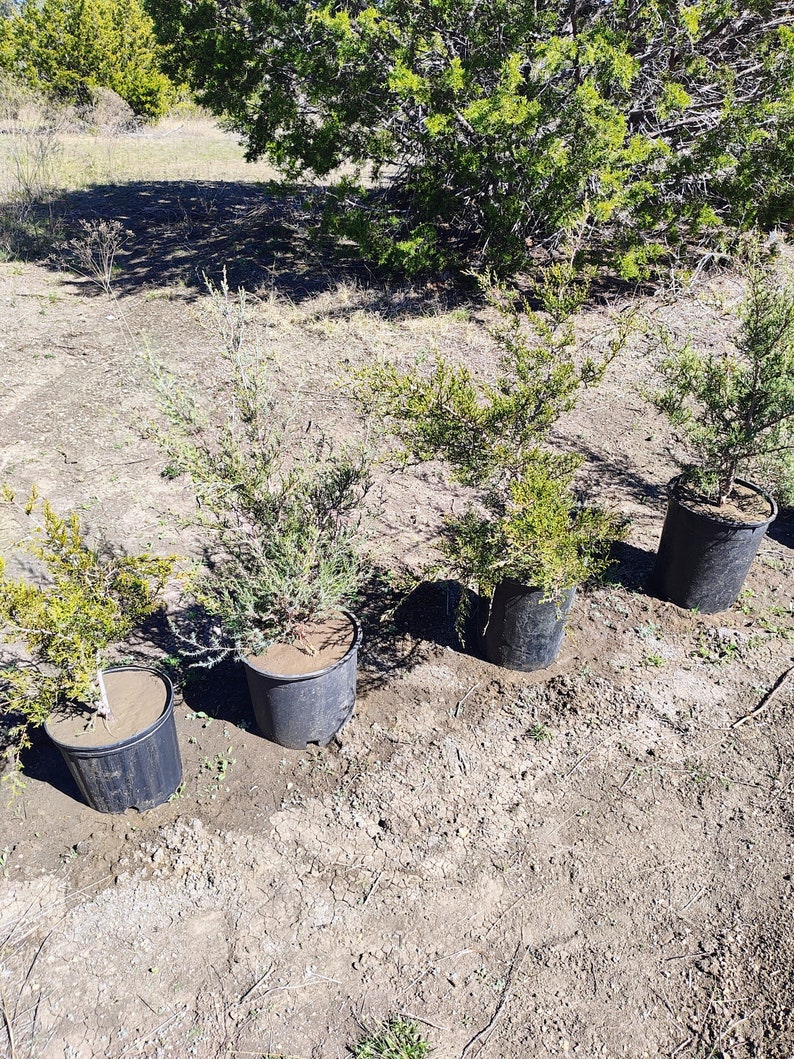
(589, 861)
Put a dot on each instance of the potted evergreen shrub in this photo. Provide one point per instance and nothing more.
(729, 410)
(526, 540)
(114, 725)
(280, 510)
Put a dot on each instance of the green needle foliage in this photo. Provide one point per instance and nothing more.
(88, 601)
(280, 508)
(527, 523)
(733, 408)
(398, 1038)
(478, 131)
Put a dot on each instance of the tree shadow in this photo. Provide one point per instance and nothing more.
(632, 567)
(616, 472)
(220, 692)
(384, 650)
(43, 761)
(182, 230)
(782, 529)
(262, 235)
(446, 613)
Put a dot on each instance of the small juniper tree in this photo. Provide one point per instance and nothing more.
(527, 523)
(280, 507)
(90, 600)
(730, 409)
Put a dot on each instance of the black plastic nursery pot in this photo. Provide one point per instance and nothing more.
(703, 560)
(295, 710)
(138, 772)
(524, 630)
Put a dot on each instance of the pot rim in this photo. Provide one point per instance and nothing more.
(103, 748)
(291, 678)
(672, 486)
(514, 582)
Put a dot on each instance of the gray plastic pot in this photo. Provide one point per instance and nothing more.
(525, 631)
(139, 772)
(294, 711)
(703, 560)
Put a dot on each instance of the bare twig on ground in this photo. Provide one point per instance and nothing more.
(503, 915)
(31, 920)
(459, 704)
(421, 1018)
(256, 985)
(581, 759)
(371, 890)
(7, 1020)
(515, 966)
(690, 955)
(171, 1020)
(765, 701)
(692, 900)
(429, 967)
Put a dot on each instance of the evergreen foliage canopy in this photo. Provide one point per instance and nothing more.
(67, 48)
(492, 128)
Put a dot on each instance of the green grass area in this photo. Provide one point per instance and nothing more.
(190, 148)
(194, 149)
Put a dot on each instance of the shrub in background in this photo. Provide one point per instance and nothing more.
(68, 48)
(479, 132)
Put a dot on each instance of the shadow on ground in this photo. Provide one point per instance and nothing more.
(632, 567)
(445, 613)
(180, 231)
(43, 761)
(264, 235)
(220, 692)
(782, 529)
(607, 472)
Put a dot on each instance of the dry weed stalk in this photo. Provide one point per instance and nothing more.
(34, 128)
(93, 252)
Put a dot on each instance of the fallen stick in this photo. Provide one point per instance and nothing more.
(420, 1018)
(515, 967)
(781, 680)
(8, 1024)
(581, 759)
(460, 702)
(256, 985)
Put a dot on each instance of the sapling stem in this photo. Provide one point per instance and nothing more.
(104, 709)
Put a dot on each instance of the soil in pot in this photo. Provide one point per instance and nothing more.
(525, 630)
(134, 760)
(705, 551)
(137, 698)
(304, 692)
(320, 645)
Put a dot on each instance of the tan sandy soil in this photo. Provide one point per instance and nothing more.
(595, 860)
